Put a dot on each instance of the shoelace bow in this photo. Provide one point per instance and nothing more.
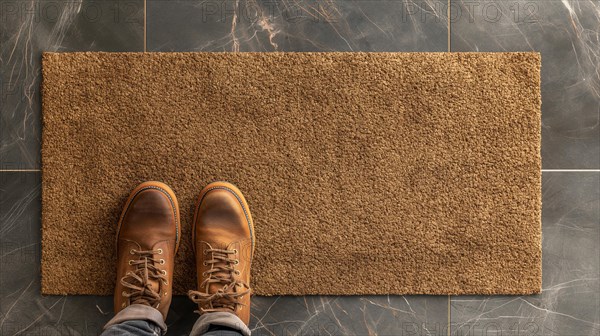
(138, 282)
(227, 296)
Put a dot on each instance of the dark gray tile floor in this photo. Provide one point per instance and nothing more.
(268, 25)
(27, 28)
(567, 33)
(570, 300)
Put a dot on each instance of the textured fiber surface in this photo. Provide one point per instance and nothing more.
(367, 173)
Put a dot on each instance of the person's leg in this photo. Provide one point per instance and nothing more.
(223, 237)
(148, 236)
(219, 324)
(138, 320)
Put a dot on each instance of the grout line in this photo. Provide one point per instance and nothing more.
(449, 27)
(19, 170)
(449, 315)
(145, 23)
(571, 170)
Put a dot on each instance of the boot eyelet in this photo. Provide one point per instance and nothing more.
(164, 272)
(235, 251)
(205, 252)
(124, 294)
(131, 251)
(130, 262)
(165, 282)
(162, 261)
(237, 272)
(160, 251)
(236, 261)
(204, 263)
(204, 274)
(123, 305)
(165, 294)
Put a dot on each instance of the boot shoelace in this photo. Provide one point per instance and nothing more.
(137, 283)
(227, 296)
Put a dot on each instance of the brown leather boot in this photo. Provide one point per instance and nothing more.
(147, 240)
(224, 245)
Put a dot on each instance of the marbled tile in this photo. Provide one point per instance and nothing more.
(27, 28)
(350, 315)
(23, 311)
(567, 33)
(333, 315)
(268, 25)
(570, 300)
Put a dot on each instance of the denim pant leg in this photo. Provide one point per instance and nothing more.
(138, 320)
(133, 328)
(233, 323)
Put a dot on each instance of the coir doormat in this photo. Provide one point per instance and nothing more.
(366, 173)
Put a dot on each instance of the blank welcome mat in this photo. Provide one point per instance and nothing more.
(366, 173)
